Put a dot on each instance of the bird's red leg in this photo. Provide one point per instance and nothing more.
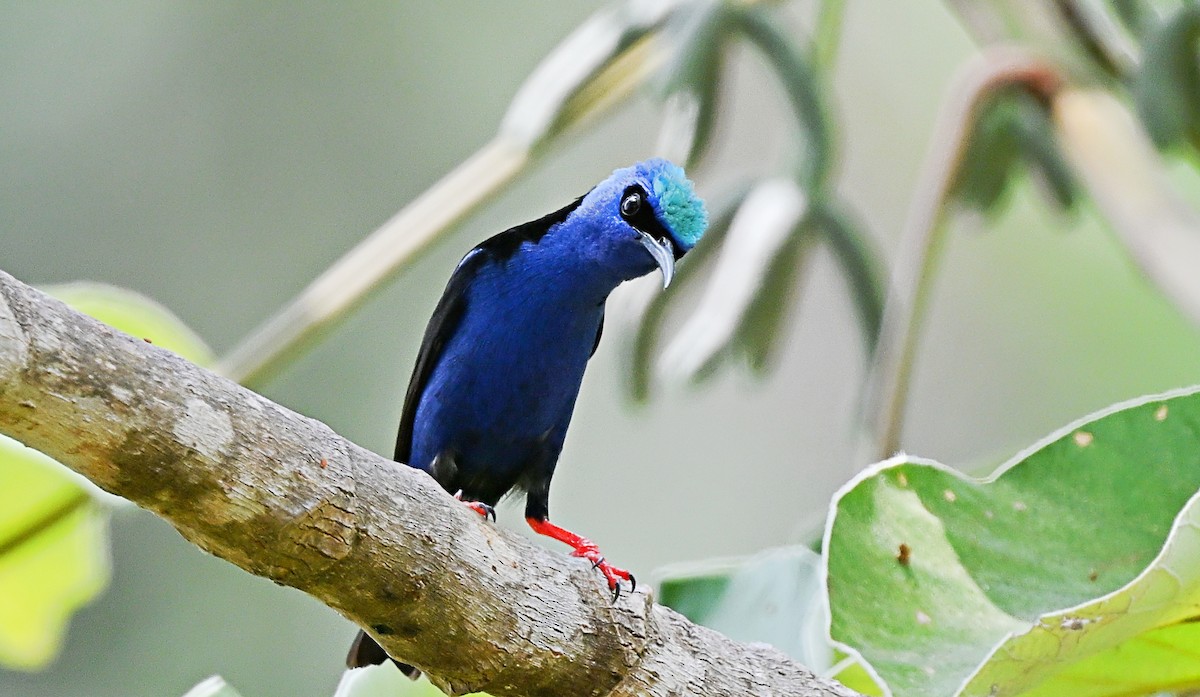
(588, 550)
(479, 507)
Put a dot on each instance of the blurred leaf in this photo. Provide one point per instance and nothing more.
(136, 315)
(384, 681)
(214, 686)
(860, 264)
(646, 339)
(984, 173)
(1060, 575)
(1135, 15)
(803, 89)
(772, 597)
(759, 232)
(1013, 128)
(1166, 87)
(693, 589)
(1041, 153)
(698, 33)
(1079, 37)
(53, 554)
(546, 102)
(827, 34)
(765, 319)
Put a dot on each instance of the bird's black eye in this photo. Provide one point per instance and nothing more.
(631, 204)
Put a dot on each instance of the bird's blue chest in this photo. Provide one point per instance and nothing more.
(509, 375)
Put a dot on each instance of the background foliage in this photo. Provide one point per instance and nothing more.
(217, 157)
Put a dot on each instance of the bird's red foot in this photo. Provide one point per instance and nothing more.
(479, 507)
(585, 548)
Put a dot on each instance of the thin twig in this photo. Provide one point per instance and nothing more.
(922, 238)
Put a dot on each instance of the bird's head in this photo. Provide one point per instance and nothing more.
(647, 216)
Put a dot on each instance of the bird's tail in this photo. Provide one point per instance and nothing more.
(367, 652)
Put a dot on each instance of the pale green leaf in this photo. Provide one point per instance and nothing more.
(136, 315)
(53, 554)
(1074, 571)
(53, 528)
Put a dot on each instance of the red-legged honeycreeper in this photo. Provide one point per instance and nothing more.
(491, 395)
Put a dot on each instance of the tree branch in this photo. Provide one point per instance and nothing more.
(284, 497)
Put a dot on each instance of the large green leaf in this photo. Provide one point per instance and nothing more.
(1075, 570)
(53, 526)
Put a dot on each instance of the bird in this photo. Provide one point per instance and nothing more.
(503, 356)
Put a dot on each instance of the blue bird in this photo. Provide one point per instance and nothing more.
(500, 366)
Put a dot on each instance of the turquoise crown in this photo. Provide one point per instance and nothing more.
(675, 199)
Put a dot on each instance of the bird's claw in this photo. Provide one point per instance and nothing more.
(612, 574)
(479, 507)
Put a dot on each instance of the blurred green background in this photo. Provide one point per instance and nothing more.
(217, 156)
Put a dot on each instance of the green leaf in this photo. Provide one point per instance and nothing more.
(992, 151)
(764, 323)
(1012, 129)
(693, 589)
(1166, 87)
(697, 34)
(53, 554)
(136, 315)
(804, 89)
(772, 597)
(856, 677)
(1061, 575)
(859, 261)
(1041, 153)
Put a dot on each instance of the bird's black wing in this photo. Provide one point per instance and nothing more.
(443, 323)
(449, 311)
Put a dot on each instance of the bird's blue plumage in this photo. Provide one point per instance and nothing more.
(506, 361)
(504, 354)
